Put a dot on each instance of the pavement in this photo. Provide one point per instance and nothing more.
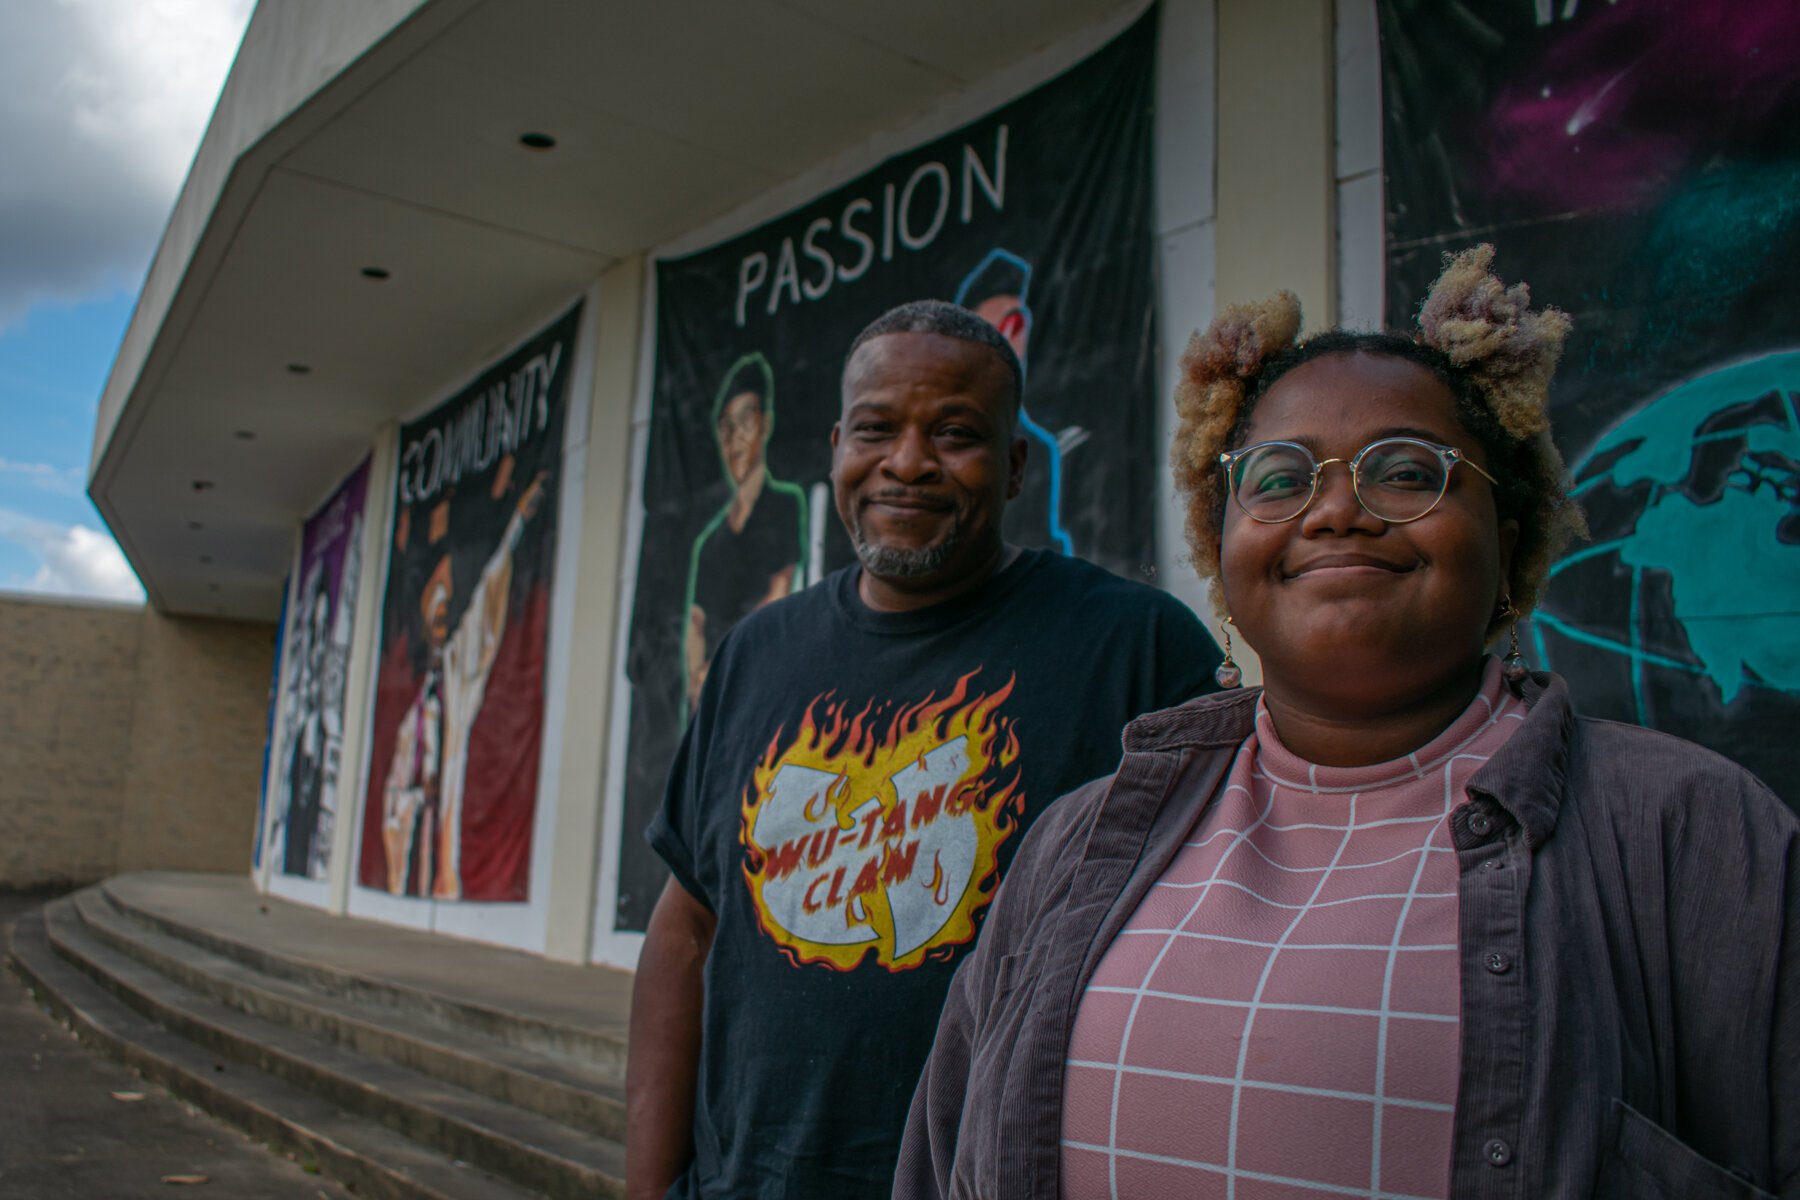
(70, 1127)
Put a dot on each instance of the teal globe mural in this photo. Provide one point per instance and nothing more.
(1694, 504)
(1639, 165)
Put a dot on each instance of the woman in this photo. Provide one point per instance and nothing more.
(1399, 923)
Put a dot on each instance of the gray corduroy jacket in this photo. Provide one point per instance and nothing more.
(1630, 933)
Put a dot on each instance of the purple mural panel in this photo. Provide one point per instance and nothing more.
(319, 623)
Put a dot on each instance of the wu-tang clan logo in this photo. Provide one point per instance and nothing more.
(873, 833)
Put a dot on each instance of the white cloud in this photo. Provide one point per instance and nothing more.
(64, 481)
(73, 559)
(105, 103)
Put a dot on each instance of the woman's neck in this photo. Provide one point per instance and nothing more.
(1335, 730)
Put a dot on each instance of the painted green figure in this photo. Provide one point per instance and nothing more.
(752, 550)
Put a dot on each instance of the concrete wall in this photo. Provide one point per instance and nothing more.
(65, 737)
(127, 740)
(196, 744)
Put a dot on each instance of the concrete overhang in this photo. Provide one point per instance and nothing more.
(386, 133)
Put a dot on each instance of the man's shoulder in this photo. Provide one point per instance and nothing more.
(1075, 583)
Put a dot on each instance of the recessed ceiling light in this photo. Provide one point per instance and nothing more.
(536, 141)
(298, 369)
(375, 272)
(245, 435)
(203, 485)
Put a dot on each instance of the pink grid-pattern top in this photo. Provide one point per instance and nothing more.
(1280, 1017)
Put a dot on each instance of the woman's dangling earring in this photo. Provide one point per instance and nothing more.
(1228, 674)
(1513, 665)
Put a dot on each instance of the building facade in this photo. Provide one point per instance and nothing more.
(491, 351)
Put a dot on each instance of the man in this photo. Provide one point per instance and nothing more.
(422, 800)
(858, 771)
(751, 550)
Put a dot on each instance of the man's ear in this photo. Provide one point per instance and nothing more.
(1016, 455)
(835, 426)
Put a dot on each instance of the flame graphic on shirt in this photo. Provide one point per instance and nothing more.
(870, 832)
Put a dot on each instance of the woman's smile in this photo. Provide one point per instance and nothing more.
(1338, 566)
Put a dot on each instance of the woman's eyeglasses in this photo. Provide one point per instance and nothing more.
(1397, 479)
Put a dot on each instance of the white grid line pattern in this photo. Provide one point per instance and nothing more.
(1113, 1138)
(1338, 1009)
(1387, 982)
(1379, 862)
(1238, 941)
(1209, 1050)
(1305, 1184)
(1335, 1094)
(1255, 895)
(1237, 1085)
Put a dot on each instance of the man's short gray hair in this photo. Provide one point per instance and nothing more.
(946, 320)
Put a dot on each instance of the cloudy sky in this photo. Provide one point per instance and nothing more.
(104, 103)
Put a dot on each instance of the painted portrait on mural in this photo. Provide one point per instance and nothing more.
(1037, 216)
(450, 801)
(999, 291)
(318, 627)
(753, 550)
(422, 796)
(1639, 162)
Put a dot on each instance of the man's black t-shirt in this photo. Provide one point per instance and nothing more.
(851, 788)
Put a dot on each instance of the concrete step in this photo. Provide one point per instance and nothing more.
(425, 1001)
(520, 1146)
(366, 1158)
(581, 1097)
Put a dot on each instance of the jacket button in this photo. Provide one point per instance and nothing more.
(1497, 1152)
(1493, 864)
(1499, 964)
(1480, 824)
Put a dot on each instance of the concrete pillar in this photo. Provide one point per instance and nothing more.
(575, 858)
(365, 645)
(1277, 191)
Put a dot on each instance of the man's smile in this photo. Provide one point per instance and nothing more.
(908, 502)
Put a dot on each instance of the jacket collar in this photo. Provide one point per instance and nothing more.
(1525, 778)
(1215, 719)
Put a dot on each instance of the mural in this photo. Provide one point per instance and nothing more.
(1038, 218)
(314, 676)
(754, 548)
(451, 796)
(1638, 161)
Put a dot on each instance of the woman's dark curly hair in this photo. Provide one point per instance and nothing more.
(1479, 337)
